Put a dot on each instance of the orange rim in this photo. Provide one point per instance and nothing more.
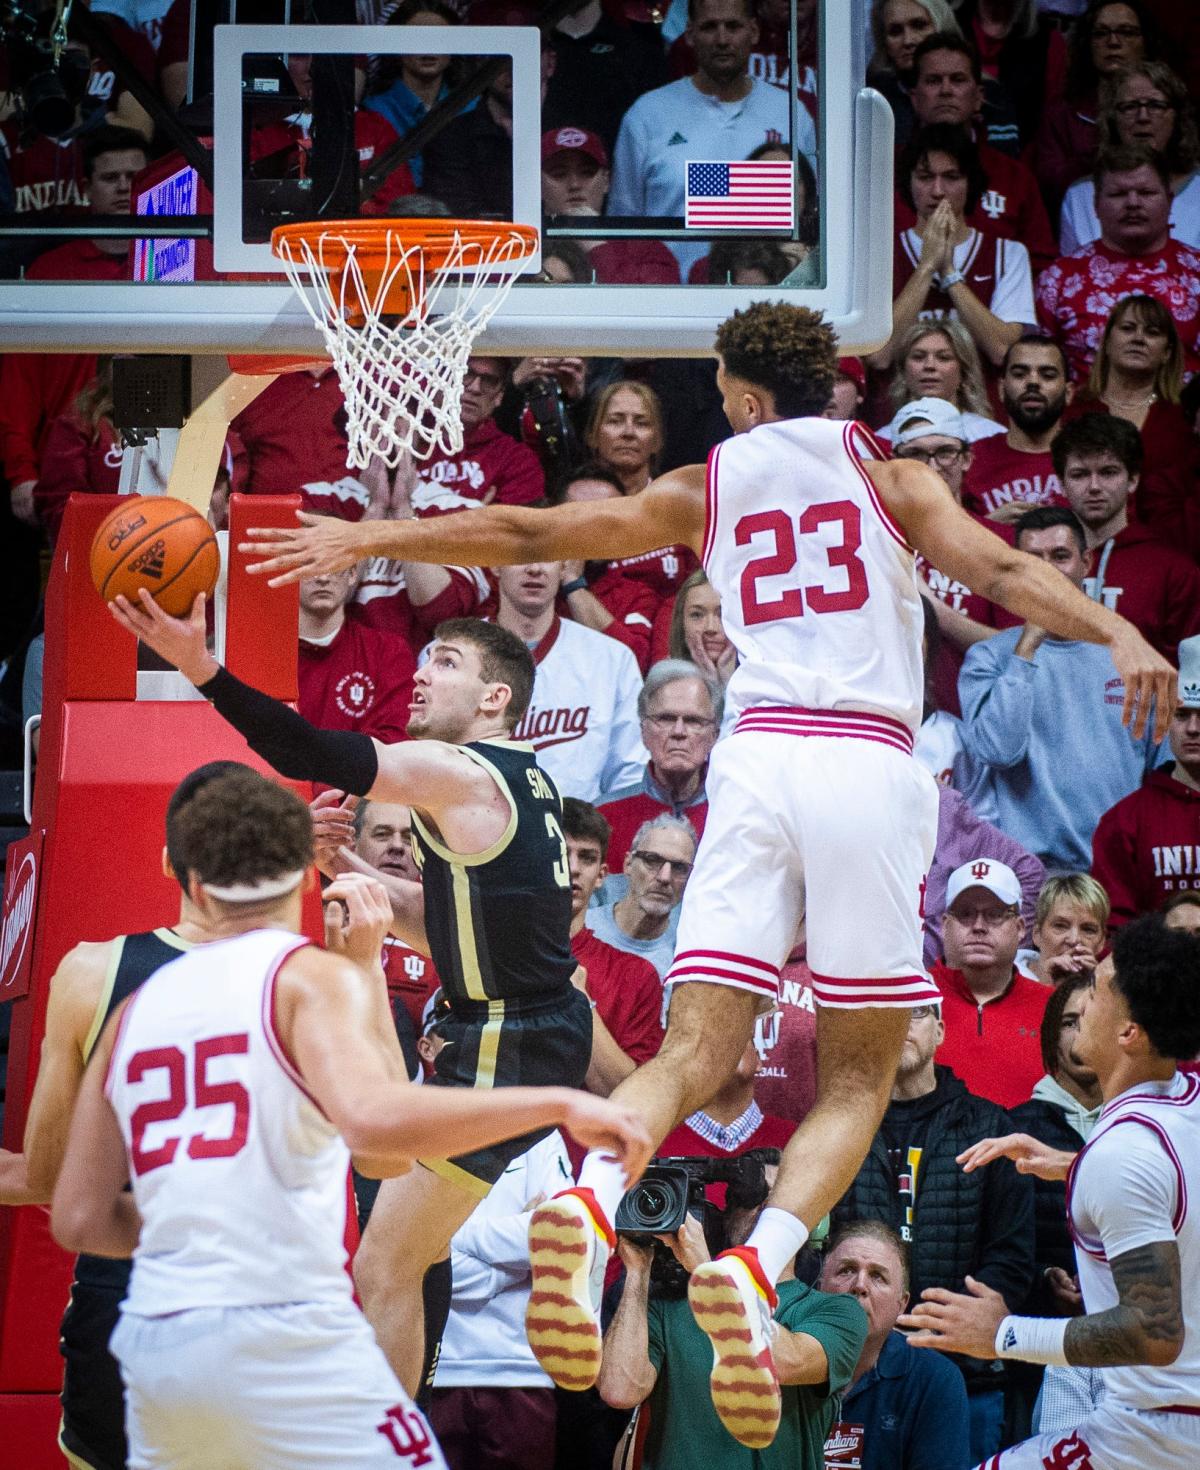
(367, 240)
(261, 365)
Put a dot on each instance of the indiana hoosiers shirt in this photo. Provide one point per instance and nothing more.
(491, 466)
(582, 719)
(1000, 475)
(359, 679)
(411, 978)
(239, 1178)
(1152, 584)
(1147, 847)
(818, 586)
(786, 1042)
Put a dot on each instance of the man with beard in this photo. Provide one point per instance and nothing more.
(1010, 472)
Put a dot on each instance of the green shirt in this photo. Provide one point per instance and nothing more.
(684, 1429)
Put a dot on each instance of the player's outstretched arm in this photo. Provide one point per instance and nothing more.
(323, 1013)
(669, 511)
(92, 1210)
(938, 527)
(1028, 1154)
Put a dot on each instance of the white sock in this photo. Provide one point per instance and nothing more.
(777, 1237)
(606, 1179)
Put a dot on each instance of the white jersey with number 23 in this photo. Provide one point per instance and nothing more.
(818, 587)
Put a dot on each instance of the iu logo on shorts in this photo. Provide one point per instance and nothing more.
(1072, 1453)
(408, 1434)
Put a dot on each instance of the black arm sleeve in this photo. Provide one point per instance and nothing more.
(296, 748)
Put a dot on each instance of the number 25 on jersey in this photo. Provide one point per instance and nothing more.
(794, 602)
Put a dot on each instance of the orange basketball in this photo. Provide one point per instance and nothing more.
(158, 543)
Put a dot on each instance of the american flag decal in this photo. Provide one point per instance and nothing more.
(759, 194)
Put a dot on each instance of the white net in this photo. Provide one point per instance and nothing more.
(402, 376)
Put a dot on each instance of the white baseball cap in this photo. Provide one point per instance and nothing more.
(1189, 672)
(926, 416)
(998, 878)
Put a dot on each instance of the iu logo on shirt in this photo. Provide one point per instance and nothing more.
(993, 204)
(354, 694)
(1071, 1453)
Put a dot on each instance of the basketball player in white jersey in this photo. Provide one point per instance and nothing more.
(816, 808)
(1131, 1207)
(230, 1091)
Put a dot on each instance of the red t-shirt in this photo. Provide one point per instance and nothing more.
(664, 570)
(362, 681)
(411, 977)
(1076, 294)
(295, 438)
(1000, 474)
(627, 992)
(1147, 846)
(79, 260)
(994, 1048)
(786, 1040)
(373, 136)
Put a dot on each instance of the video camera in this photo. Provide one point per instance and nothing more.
(48, 76)
(673, 1188)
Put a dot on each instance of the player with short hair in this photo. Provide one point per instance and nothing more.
(810, 542)
(1137, 1245)
(231, 1091)
(91, 981)
(493, 911)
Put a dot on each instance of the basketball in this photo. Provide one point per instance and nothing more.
(158, 543)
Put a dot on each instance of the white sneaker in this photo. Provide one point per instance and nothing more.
(568, 1251)
(732, 1303)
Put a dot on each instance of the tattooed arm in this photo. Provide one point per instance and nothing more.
(1146, 1325)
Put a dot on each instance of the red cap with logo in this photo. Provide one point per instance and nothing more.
(574, 140)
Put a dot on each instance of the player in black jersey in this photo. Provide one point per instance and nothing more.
(493, 911)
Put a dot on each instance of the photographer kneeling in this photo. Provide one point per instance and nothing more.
(657, 1358)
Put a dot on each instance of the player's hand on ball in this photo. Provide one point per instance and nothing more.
(181, 641)
(956, 1322)
(319, 544)
(1030, 1156)
(595, 1122)
(357, 914)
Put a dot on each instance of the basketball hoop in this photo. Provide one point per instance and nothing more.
(399, 304)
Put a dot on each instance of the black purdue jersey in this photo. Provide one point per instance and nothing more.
(133, 959)
(498, 922)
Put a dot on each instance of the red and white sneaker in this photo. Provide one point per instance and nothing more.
(570, 1241)
(732, 1302)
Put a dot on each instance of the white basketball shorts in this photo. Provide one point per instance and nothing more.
(1111, 1438)
(292, 1387)
(822, 816)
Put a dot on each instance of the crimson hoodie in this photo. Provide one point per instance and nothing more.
(1147, 846)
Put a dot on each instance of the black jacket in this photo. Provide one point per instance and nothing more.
(1052, 1240)
(979, 1224)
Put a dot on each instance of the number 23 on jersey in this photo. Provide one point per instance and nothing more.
(844, 589)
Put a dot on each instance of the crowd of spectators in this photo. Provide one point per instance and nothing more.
(1046, 331)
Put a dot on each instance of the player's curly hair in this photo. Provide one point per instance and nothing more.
(788, 350)
(1157, 970)
(240, 827)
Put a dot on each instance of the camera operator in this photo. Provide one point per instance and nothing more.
(655, 1354)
